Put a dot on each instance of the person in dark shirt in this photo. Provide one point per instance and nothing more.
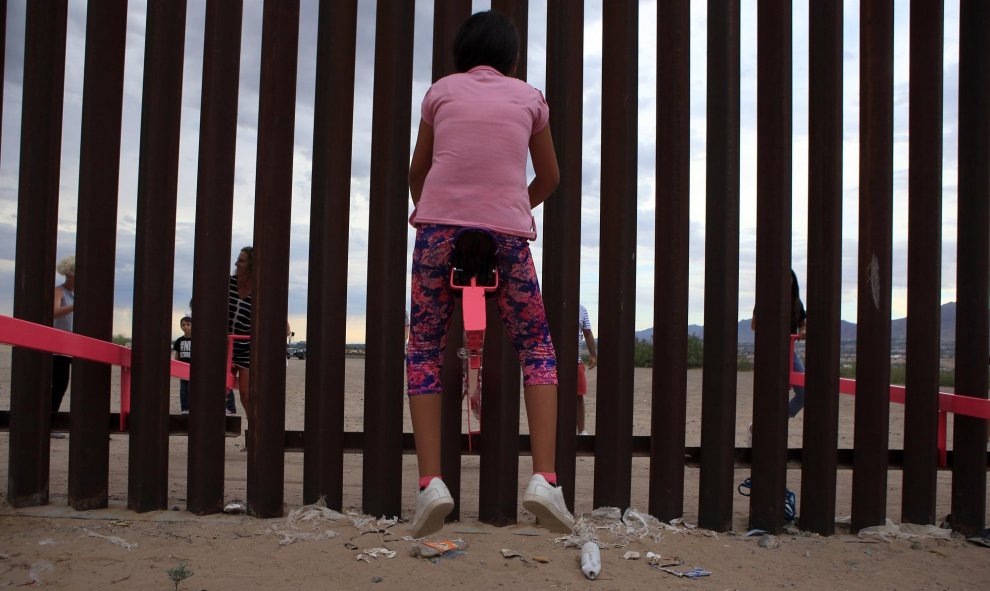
(798, 324)
(183, 352)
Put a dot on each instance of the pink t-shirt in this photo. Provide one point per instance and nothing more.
(482, 123)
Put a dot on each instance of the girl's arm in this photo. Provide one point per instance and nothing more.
(589, 339)
(422, 160)
(61, 310)
(545, 165)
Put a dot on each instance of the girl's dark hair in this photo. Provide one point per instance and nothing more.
(796, 305)
(487, 39)
(249, 251)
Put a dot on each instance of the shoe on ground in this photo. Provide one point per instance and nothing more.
(546, 502)
(433, 504)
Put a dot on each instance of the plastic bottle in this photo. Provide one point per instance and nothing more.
(591, 560)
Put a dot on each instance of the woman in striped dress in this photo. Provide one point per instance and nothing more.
(239, 322)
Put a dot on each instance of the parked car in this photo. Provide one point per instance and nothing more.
(298, 351)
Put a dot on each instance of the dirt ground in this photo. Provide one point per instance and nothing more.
(57, 547)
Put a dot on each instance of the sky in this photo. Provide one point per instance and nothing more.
(422, 59)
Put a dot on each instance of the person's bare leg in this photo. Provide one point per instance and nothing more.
(244, 389)
(472, 388)
(541, 407)
(424, 410)
(580, 414)
(543, 498)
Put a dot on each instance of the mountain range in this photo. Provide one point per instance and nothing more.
(847, 330)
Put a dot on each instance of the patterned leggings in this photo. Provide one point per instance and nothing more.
(520, 305)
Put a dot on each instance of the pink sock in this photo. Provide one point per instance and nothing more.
(424, 481)
(550, 477)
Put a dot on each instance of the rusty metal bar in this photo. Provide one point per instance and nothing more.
(323, 463)
(37, 219)
(448, 15)
(177, 424)
(99, 168)
(562, 219)
(517, 11)
(924, 264)
(499, 474)
(617, 299)
(670, 299)
(3, 51)
(869, 494)
(718, 395)
(382, 490)
(451, 408)
(214, 213)
(969, 485)
(272, 227)
(499, 491)
(742, 456)
(773, 261)
(821, 425)
(147, 486)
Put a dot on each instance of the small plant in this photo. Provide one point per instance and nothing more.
(178, 573)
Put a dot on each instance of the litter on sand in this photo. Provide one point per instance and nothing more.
(982, 539)
(307, 523)
(370, 554)
(37, 570)
(631, 555)
(905, 531)
(235, 507)
(768, 541)
(510, 553)
(112, 539)
(440, 547)
(304, 524)
(693, 573)
(622, 527)
(591, 560)
(656, 560)
(434, 550)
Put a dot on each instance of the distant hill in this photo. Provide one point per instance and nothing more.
(847, 330)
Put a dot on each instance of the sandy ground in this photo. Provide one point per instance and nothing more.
(117, 549)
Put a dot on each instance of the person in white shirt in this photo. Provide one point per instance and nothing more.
(585, 338)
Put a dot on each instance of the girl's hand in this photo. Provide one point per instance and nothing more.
(422, 161)
(545, 165)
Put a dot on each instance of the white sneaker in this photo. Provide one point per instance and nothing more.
(433, 503)
(546, 502)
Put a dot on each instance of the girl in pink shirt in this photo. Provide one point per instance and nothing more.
(468, 170)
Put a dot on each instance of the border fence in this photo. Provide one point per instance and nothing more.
(382, 441)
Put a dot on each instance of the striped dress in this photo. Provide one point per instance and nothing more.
(584, 323)
(239, 323)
